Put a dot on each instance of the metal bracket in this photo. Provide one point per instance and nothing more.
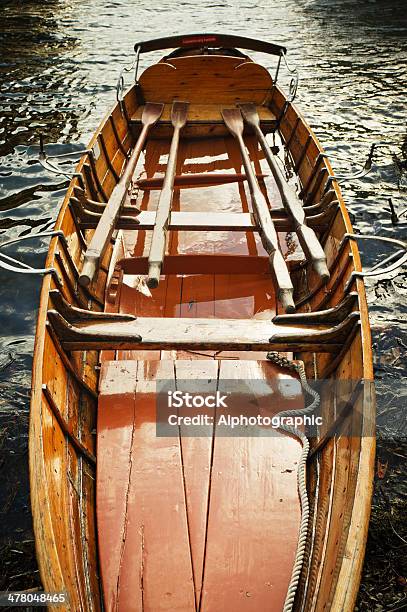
(377, 269)
(361, 173)
(22, 268)
(120, 81)
(50, 166)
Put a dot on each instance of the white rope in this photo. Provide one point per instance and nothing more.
(301, 473)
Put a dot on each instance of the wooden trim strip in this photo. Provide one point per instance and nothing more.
(67, 429)
(78, 228)
(90, 182)
(303, 154)
(333, 364)
(307, 185)
(117, 138)
(123, 108)
(68, 365)
(335, 284)
(75, 271)
(107, 158)
(288, 142)
(344, 412)
(96, 177)
(312, 293)
(317, 184)
(72, 287)
(79, 178)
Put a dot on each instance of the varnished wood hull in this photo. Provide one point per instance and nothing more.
(65, 387)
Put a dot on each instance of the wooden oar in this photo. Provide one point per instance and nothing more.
(179, 113)
(234, 122)
(306, 235)
(104, 230)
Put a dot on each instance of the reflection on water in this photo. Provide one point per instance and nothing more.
(60, 61)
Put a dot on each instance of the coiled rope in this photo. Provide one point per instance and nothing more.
(301, 472)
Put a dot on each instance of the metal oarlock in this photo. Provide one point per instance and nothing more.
(120, 81)
(20, 267)
(361, 173)
(377, 269)
(50, 166)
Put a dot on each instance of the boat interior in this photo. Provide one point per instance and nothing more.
(203, 522)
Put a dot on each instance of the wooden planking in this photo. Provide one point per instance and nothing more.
(348, 372)
(227, 80)
(146, 576)
(55, 476)
(342, 496)
(246, 297)
(66, 556)
(196, 465)
(253, 509)
(114, 440)
(198, 296)
(345, 578)
(354, 545)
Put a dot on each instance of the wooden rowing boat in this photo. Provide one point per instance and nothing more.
(192, 262)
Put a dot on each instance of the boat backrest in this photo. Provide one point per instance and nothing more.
(227, 80)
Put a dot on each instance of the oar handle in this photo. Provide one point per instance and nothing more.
(313, 250)
(283, 281)
(89, 268)
(158, 240)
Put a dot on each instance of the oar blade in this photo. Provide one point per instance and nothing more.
(151, 113)
(179, 112)
(233, 120)
(250, 114)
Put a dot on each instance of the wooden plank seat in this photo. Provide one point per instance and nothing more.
(326, 317)
(152, 333)
(132, 218)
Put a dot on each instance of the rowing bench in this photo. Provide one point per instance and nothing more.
(79, 329)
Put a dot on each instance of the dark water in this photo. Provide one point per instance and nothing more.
(59, 64)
